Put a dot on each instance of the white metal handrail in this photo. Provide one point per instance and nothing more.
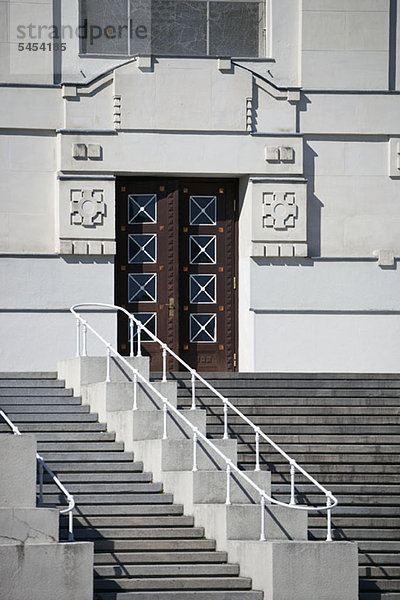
(43, 466)
(81, 350)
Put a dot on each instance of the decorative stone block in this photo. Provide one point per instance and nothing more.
(286, 153)
(80, 247)
(279, 219)
(95, 247)
(66, 247)
(280, 210)
(282, 154)
(271, 153)
(79, 151)
(87, 207)
(224, 64)
(394, 157)
(95, 152)
(385, 258)
(109, 248)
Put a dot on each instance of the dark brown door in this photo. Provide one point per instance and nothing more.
(176, 268)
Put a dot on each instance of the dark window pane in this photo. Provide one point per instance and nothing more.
(179, 27)
(140, 26)
(203, 327)
(104, 26)
(234, 28)
(142, 248)
(149, 320)
(202, 249)
(142, 287)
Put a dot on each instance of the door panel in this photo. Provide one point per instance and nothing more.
(175, 268)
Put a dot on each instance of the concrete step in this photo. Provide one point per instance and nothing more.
(265, 383)
(44, 408)
(154, 545)
(328, 419)
(342, 489)
(182, 558)
(53, 428)
(253, 405)
(246, 437)
(267, 412)
(311, 458)
(389, 522)
(15, 375)
(53, 457)
(144, 533)
(179, 595)
(134, 521)
(379, 572)
(296, 448)
(28, 392)
(48, 401)
(392, 585)
(31, 383)
(96, 467)
(352, 499)
(104, 479)
(212, 376)
(170, 570)
(109, 488)
(124, 510)
(277, 392)
(140, 498)
(49, 447)
(179, 584)
(69, 437)
(53, 418)
(383, 560)
(390, 547)
(344, 478)
(272, 429)
(356, 534)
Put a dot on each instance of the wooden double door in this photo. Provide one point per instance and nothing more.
(176, 268)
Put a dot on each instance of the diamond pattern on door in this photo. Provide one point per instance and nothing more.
(142, 287)
(203, 327)
(149, 320)
(142, 248)
(202, 249)
(203, 210)
(202, 289)
(142, 208)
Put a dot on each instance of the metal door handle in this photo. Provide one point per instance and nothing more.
(171, 307)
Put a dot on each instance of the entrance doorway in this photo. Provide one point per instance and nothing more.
(175, 268)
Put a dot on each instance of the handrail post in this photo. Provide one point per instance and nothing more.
(228, 484)
(262, 504)
(225, 420)
(41, 481)
(193, 407)
(292, 486)
(84, 339)
(257, 467)
(71, 527)
(78, 338)
(108, 378)
(139, 339)
(195, 450)
(135, 390)
(165, 416)
(328, 518)
(131, 352)
(164, 363)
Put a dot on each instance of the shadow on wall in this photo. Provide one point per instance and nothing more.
(314, 204)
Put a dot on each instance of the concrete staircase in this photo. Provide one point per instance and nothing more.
(145, 547)
(344, 430)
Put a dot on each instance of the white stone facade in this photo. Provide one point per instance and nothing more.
(311, 130)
